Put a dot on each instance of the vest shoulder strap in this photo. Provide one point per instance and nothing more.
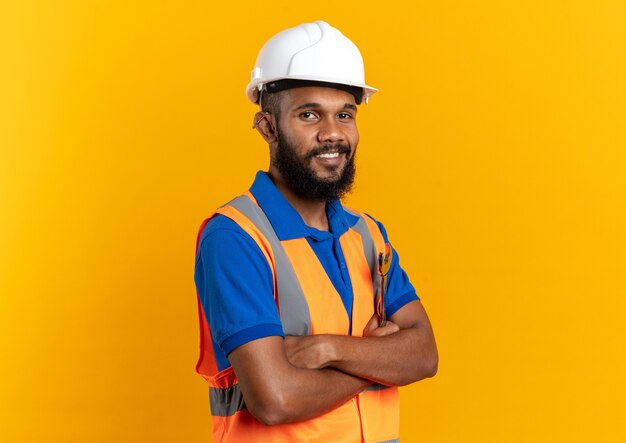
(292, 305)
(373, 243)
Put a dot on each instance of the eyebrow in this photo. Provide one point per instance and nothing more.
(318, 105)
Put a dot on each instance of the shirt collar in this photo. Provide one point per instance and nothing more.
(286, 221)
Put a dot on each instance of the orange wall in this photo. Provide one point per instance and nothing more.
(494, 154)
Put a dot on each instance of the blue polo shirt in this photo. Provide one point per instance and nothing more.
(235, 283)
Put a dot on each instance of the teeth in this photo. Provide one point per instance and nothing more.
(329, 155)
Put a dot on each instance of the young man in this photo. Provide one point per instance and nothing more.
(294, 289)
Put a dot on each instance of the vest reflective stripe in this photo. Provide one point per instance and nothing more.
(226, 402)
(368, 245)
(308, 303)
(292, 306)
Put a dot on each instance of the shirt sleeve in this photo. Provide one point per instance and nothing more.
(235, 286)
(400, 291)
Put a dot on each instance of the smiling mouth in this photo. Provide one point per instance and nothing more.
(328, 155)
(330, 152)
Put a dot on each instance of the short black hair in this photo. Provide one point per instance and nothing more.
(270, 102)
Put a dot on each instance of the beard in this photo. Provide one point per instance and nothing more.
(303, 180)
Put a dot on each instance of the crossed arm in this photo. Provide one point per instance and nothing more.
(303, 377)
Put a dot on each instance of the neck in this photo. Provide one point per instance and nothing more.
(313, 212)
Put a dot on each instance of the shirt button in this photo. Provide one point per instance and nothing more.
(343, 266)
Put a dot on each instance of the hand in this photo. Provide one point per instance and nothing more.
(373, 330)
(309, 351)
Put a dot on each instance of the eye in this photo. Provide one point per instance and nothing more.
(344, 116)
(308, 115)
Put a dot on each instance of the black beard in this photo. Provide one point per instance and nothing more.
(302, 179)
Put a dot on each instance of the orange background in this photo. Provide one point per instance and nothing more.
(494, 154)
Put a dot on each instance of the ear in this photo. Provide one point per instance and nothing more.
(265, 124)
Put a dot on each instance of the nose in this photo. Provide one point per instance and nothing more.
(329, 131)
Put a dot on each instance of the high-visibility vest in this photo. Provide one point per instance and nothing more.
(308, 304)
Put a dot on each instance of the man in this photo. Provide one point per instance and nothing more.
(293, 288)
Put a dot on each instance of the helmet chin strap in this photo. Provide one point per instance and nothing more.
(261, 89)
(256, 123)
(264, 115)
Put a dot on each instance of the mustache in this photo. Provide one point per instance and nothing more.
(337, 147)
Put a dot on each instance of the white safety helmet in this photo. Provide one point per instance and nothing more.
(311, 52)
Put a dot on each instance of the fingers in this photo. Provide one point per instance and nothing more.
(372, 329)
(389, 328)
(371, 325)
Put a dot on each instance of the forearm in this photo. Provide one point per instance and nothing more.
(308, 393)
(398, 359)
(275, 391)
(401, 352)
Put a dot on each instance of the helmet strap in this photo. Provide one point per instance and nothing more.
(261, 89)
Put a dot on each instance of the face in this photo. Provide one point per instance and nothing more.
(316, 143)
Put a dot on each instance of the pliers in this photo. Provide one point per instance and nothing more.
(384, 264)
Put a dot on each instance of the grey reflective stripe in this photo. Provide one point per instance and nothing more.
(371, 254)
(294, 310)
(395, 440)
(376, 387)
(225, 402)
